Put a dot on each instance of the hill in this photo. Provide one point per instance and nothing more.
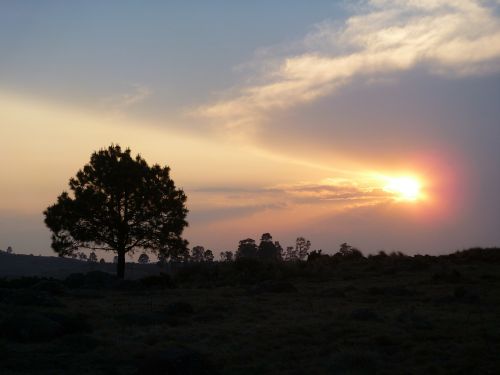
(19, 265)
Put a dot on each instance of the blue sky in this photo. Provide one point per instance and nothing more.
(186, 50)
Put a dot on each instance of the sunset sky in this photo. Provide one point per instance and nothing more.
(375, 123)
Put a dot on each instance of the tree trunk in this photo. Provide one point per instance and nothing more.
(120, 266)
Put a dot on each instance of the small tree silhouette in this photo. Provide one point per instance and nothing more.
(267, 249)
(92, 258)
(143, 258)
(198, 254)
(247, 249)
(291, 254)
(226, 256)
(314, 255)
(208, 256)
(302, 247)
(348, 252)
(279, 250)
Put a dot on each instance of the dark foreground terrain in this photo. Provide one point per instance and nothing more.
(382, 315)
(20, 265)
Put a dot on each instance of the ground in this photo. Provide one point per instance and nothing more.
(354, 318)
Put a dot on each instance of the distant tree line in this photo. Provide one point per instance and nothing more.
(266, 250)
(8, 251)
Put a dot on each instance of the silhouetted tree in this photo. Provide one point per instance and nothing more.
(226, 256)
(143, 258)
(279, 250)
(92, 257)
(197, 254)
(208, 255)
(348, 252)
(267, 249)
(246, 249)
(381, 254)
(162, 260)
(9, 250)
(102, 261)
(180, 256)
(291, 254)
(120, 204)
(302, 247)
(314, 255)
(82, 256)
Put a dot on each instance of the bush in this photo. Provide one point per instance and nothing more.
(412, 319)
(394, 291)
(71, 323)
(202, 273)
(352, 361)
(36, 327)
(161, 281)
(142, 318)
(30, 327)
(364, 315)
(333, 292)
(453, 276)
(21, 282)
(52, 287)
(28, 297)
(250, 270)
(80, 343)
(490, 255)
(91, 280)
(175, 361)
(272, 286)
(75, 280)
(179, 309)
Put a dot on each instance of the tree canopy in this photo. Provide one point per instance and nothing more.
(247, 248)
(268, 250)
(119, 203)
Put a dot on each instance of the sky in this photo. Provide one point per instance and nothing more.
(371, 122)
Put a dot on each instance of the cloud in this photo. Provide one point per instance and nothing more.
(453, 38)
(121, 102)
(341, 193)
(343, 190)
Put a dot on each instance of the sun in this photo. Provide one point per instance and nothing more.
(404, 188)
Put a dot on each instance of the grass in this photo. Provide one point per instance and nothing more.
(357, 318)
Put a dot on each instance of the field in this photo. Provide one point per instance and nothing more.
(393, 315)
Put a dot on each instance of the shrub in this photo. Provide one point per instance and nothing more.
(273, 286)
(175, 361)
(141, 318)
(333, 292)
(30, 327)
(161, 281)
(28, 297)
(179, 309)
(93, 280)
(52, 287)
(71, 323)
(365, 315)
